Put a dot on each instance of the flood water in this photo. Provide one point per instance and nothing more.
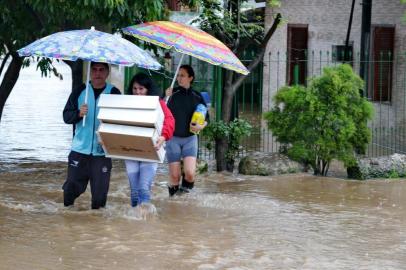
(286, 222)
(230, 222)
(32, 127)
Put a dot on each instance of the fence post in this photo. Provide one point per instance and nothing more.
(296, 72)
(128, 73)
(219, 86)
(126, 78)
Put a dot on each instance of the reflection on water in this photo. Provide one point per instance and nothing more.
(286, 222)
(32, 127)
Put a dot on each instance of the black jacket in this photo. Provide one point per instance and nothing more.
(71, 110)
(182, 104)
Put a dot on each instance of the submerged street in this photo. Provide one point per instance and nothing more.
(230, 222)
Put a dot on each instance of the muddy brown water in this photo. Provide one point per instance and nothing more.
(230, 222)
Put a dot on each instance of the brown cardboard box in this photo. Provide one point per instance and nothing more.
(130, 142)
(130, 125)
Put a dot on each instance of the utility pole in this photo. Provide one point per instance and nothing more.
(365, 42)
(347, 39)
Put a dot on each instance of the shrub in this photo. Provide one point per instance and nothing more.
(231, 134)
(325, 121)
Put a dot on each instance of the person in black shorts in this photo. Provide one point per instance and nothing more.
(182, 101)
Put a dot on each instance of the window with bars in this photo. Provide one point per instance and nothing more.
(338, 53)
(297, 49)
(174, 5)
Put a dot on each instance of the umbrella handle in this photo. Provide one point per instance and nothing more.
(87, 90)
(174, 77)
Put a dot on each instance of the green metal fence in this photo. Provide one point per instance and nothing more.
(385, 87)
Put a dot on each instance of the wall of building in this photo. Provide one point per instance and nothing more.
(327, 22)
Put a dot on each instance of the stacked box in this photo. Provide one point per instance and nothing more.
(130, 126)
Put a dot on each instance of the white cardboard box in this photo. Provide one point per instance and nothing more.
(129, 102)
(132, 117)
(130, 142)
(130, 126)
(144, 111)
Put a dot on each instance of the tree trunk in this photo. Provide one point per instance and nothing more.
(221, 146)
(316, 166)
(227, 96)
(9, 80)
(3, 64)
(77, 72)
(232, 82)
(325, 167)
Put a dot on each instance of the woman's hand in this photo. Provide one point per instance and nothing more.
(195, 127)
(159, 142)
(168, 92)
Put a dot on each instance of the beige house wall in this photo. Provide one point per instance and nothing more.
(327, 22)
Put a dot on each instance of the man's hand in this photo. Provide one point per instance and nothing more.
(83, 110)
(159, 142)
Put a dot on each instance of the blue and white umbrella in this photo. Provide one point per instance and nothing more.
(90, 45)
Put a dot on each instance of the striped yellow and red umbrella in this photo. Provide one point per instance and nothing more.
(187, 40)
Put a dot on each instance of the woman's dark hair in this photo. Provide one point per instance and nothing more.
(146, 81)
(189, 71)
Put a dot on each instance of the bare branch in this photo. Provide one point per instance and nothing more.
(240, 78)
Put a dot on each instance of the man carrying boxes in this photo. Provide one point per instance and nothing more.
(87, 160)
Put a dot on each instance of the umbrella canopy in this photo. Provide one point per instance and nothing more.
(90, 45)
(187, 40)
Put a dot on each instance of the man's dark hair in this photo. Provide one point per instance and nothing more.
(189, 71)
(146, 81)
(101, 63)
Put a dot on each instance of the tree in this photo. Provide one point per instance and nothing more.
(24, 21)
(226, 21)
(233, 131)
(325, 121)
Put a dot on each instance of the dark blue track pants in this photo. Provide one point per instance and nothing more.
(81, 169)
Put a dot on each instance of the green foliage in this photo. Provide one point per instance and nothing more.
(239, 26)
(229, 24)
(325, 121)
(356, 172)
(202, 167)
(274, 3)
(45, 65)
(393, 174)
(404, 15)
(233, 132)
(25, 21)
